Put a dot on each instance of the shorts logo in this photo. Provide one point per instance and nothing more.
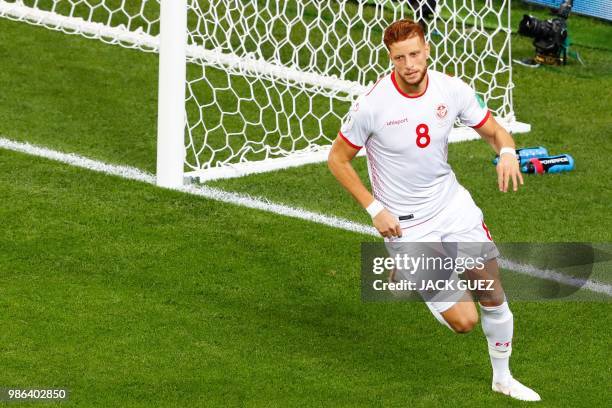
(441, 111)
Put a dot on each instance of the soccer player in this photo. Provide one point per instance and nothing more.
(404, 121)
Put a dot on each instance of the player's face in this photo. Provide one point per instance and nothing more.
(409, 58)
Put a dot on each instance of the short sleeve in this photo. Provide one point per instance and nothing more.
(356, 128)
(473, 111)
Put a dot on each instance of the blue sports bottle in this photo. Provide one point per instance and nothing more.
(552, 164)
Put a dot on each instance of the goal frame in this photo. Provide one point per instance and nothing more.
(174, 54)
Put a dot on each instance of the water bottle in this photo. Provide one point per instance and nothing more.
(552, 164)
(527, 153)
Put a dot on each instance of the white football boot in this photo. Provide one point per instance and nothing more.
(516, 390)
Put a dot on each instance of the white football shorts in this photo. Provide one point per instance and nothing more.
(460, 221)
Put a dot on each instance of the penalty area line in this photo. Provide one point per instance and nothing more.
(244, 200)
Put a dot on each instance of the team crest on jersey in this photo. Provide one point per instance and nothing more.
(441, 111)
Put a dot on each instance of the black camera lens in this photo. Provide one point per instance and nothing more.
(532, 27)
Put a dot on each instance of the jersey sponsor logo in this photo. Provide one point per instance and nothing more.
(441, 111)
(396, 122)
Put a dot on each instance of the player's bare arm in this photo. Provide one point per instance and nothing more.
(508, 166)
(339, 163)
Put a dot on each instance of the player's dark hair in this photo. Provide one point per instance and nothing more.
(402, 30)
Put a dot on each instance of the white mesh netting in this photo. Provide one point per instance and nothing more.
(266, 78)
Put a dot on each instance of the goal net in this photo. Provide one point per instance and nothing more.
(266, 83)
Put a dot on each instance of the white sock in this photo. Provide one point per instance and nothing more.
(498, 327)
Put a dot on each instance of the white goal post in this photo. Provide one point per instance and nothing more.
(255, 85)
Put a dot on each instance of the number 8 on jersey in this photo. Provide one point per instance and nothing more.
(423, 138)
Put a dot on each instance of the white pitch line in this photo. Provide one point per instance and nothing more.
(551, 275)
(245, 200)
(132, 173)
(72, 159)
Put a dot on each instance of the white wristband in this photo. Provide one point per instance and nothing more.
(375, 208)
(508, 150)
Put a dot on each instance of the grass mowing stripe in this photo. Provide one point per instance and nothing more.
(280, 209)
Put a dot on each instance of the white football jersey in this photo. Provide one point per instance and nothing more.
(406, 140)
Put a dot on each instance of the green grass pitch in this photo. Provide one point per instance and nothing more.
(133, 296)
